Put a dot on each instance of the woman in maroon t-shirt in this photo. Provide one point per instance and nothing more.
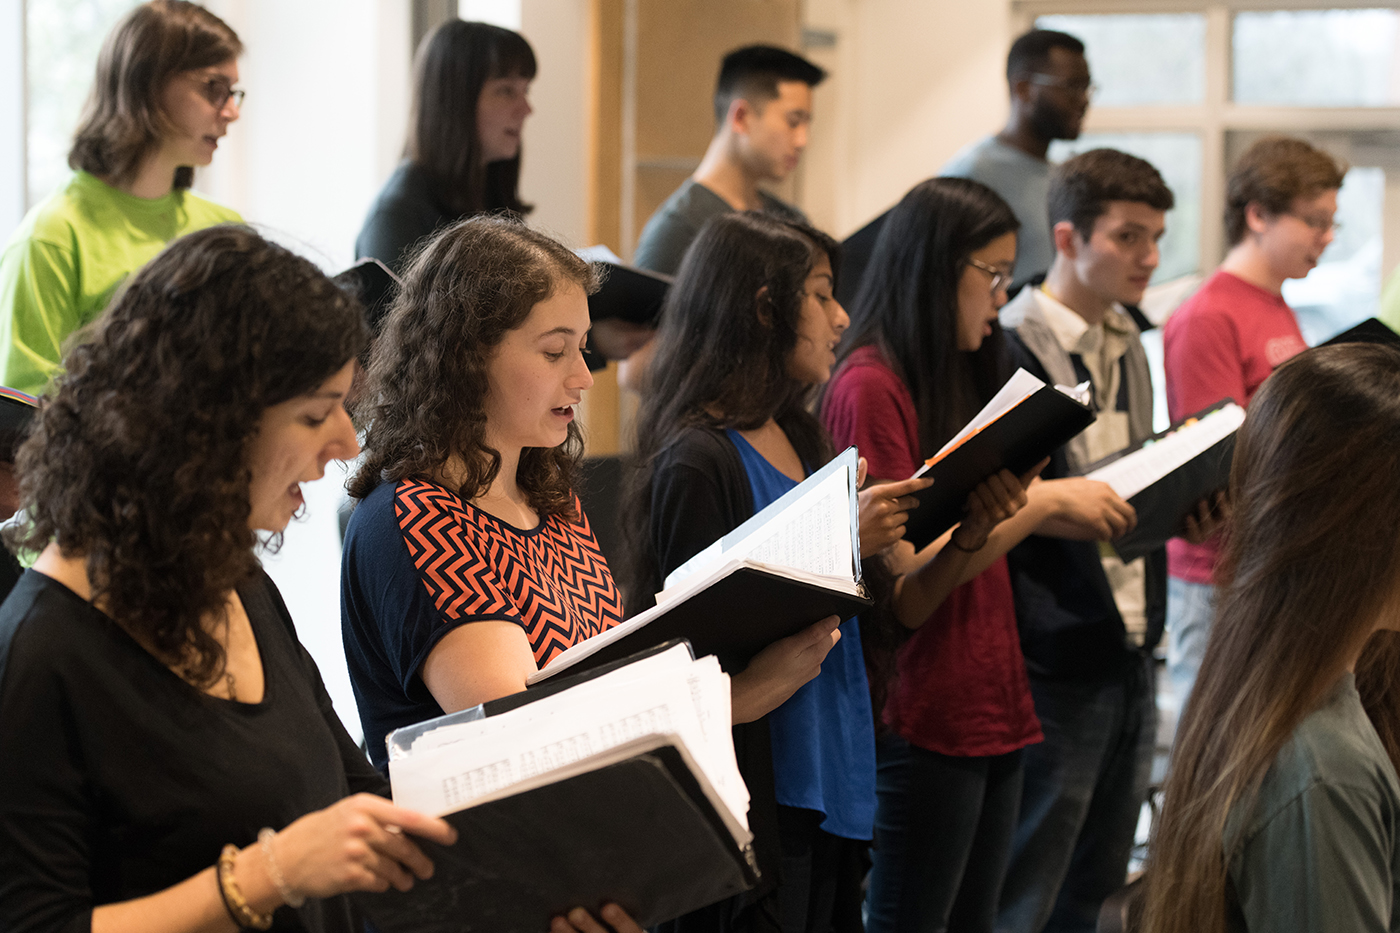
(923, 355)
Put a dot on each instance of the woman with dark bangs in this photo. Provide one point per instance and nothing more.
(748, 331)
(1282, 809)
(470, 87)
(162, 98)
(925, 353)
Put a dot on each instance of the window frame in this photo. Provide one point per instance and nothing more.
(1217, 115)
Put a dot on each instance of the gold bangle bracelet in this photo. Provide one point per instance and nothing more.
(245, 916)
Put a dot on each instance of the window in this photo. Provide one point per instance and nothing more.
(1141, 59)
(1316, 58)
(63, 38)
(1190, 90)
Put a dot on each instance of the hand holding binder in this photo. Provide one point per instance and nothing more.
(532, 783)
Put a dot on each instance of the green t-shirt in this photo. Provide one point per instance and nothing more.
(68, 256)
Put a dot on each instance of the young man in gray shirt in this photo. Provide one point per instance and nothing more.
(763, 110)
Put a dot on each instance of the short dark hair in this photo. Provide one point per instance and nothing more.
(453, 62)
(139, 460)
(1031, 51)
(122, 122)
(1274, 172)
(1081, 187)
(753, 73)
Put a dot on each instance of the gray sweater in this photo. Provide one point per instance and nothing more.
(1319, 847)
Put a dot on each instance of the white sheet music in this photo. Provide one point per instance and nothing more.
(813, 534)
(1134, 472)
(469, 763)
(1018, 388)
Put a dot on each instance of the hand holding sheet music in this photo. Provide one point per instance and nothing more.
(531, 788)
(795, 562)
(1168, 474)
(1023, 423)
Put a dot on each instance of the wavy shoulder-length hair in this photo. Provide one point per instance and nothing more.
(907, 303)
(453, 64)
(138, 460)
(728, 327)
(424, 400)
(122, 122)
(1308, 569)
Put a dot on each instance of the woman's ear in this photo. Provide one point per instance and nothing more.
(763, 305)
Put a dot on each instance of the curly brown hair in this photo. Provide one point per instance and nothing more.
(138, 460)
(424, 398)
(122, 122)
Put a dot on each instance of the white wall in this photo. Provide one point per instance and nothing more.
(324, 120)
(912, 81)
(12, 123)
(554, 171)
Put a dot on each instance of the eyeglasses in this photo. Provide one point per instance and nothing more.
(1000, 279)
(218, 92)
(1320, 225)
(1064, 84)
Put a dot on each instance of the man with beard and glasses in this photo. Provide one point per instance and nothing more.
(1050, 91)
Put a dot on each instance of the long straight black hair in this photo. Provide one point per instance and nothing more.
(907, 303)
(452, 65)
(727, 328)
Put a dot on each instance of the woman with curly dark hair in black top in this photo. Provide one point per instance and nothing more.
(169, 758)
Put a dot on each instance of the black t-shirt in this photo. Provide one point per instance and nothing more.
(118, 779)
(405, 212)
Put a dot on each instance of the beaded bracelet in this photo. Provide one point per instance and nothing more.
(237, 906)
(265, 837)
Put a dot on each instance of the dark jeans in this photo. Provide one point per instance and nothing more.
(1084, 790)
(943, 832)
(819, 890)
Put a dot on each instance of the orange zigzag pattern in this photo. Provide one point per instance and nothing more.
(554, 581)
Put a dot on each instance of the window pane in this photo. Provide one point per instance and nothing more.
(63, 38)
(1141, 59)
(1345, 286)
(1316, 58)
(1178, 157)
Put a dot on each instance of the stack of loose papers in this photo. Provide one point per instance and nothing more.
(623, 787)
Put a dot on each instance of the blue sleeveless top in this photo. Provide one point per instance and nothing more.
(823, 736)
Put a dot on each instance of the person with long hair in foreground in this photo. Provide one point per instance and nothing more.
(170, 761)
(1282, 810)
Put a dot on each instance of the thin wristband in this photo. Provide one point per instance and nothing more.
(265, 837)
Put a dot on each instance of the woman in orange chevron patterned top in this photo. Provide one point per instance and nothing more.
(467, 512)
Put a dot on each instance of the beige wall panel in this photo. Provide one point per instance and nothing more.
(680, 43)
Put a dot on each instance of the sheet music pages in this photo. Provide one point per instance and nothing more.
(1018, 388)
(811, 534)
(470, 763)
(1134, 472)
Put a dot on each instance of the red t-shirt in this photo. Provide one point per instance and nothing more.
(961, 686)
(1221, 343)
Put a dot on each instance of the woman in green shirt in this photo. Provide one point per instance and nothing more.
(162, 98)
(1282, 810)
